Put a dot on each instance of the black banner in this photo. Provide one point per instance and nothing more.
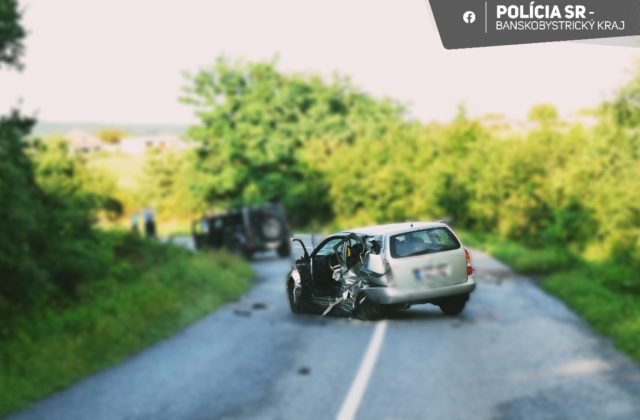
(481, 23)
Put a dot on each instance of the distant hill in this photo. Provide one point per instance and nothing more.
(45, 128)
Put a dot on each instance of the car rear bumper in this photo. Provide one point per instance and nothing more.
(392, 296)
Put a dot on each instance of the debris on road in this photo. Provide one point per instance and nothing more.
(304, 370)
(242, 312)
(258, 306)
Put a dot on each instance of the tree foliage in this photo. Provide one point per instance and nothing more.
(331, 152)
(256, 122)
(21, 214)
(165, 184)
(48, 246)
(12, 34)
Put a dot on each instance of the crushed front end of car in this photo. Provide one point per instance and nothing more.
(358, 267)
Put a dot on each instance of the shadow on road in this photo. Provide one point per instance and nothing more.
(424, 313)
(266, 257)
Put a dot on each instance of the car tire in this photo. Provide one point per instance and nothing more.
(367, 309)
(297, 305)
(454, 305)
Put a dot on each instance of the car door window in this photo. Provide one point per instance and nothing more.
(327, 247)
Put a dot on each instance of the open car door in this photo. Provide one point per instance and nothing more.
(303, 266)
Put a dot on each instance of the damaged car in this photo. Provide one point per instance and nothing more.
(368, 270)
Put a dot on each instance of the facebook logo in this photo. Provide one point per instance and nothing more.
(469, 16)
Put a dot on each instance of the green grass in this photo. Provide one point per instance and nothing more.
(605, 294)
(535, 261)
(607, 297)
(153, 291)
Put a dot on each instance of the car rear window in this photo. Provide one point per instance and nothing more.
(425, 241)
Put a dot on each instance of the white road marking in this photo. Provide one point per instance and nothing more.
(359, 386)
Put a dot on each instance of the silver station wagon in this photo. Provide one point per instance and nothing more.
(367, 270)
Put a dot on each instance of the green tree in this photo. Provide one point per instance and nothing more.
(623, 110)
(21, 215)
(21, 210)
(256, 123)
(332, 153)
(47, 244)
(12, 34)
(166, 184)
(71, 250)
(544, 114)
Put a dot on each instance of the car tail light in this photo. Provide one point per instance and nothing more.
(468, 257)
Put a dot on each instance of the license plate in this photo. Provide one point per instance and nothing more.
(432, 271)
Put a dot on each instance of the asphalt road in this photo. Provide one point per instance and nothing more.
(514, 353)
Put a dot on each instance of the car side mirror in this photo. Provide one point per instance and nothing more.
(304, 248)
(375, 247)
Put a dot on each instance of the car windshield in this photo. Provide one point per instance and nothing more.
(425, 241)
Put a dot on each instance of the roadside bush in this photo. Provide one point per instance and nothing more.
(523, 259)
(50, 201)
(149, 291)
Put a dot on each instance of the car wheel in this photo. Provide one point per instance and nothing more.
(366, 309)
(453, 306)
(296, 305)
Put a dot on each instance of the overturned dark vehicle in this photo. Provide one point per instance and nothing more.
(245, 230)
(365, 271)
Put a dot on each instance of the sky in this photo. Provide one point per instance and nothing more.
(122, 61)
